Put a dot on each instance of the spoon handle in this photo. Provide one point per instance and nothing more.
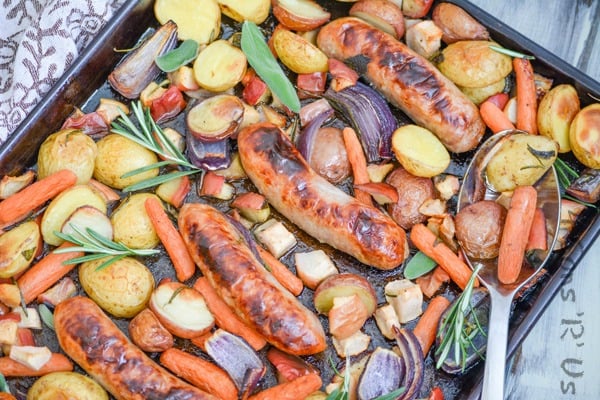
(495, 362)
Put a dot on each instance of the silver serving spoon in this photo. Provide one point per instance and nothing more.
(475, 188)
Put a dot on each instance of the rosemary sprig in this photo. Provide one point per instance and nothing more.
(158, 143)
(566, 174)
(456, 335)
(511, 53)
(96, 247)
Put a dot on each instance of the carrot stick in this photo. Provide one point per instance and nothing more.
(298, 389)
(494, 117)
(283, 275)
(39, 278)
(515, 234)
(7, 396)
(17, 206)
(538, 235)
(426, 328)
(428, 243)
(526, 96)
(356, 157)
(12, 368)
(200, 341)
(171, 239)
(225, 318)
(200, 373)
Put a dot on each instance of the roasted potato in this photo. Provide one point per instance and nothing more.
(199, 20)
(66, 385)
(456, 24)
(63, 205)
(329, 158)
(118, 155)
(479, 94)
(555, 114)
(382, 14)
(67, 149)
(252, 10)
(122, 289)
(300, 15)
(297, 53)
(413, 191)
(346, 284)
(132, 225)
(584, 135)
(220, 66)
(472, 63)
(419, 151)
(521, 160)
(479, 228)
(18, 248)
(148, 333)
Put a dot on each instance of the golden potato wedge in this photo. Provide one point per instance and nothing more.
(297, 53)
(479, 94)
(300, 15)
(216, 118)
(584, 135)
(199, 20)
(67, 149)
(456, 24)
(66, 385)
(220, 66)
(419, 151)
(146, 331)
(521, 160)
(252, 10)
(382, 14)
(18, 248)
(471, 63)
(63, 205)
(555, 114)
(122, 289)
(132, 225)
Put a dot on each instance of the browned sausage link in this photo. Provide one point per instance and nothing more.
(94, 342)
(244, 283)
(316, 206)
(407, 80)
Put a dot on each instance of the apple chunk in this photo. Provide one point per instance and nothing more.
(300, 15)
(181, 309)
(346, 284)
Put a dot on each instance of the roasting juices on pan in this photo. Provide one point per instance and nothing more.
(231, 230)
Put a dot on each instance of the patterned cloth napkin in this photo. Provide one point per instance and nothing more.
(39, 39)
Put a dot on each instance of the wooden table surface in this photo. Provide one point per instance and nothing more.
(560, 359)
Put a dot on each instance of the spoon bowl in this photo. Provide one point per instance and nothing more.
(475, 188)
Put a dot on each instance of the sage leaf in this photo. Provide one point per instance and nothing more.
(418, 265)
(172, 60)
(3, 385)
(46, 316)
(261, 59)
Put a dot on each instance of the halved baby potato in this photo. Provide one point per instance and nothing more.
(419, 151)
(340, 285)
(297, 53)
(300, 15)
(66, 385)
(199, 20)
(132, 225)
(383, 14)
(18, 248)
(216, 118)
(220, 66)
(252, 10)
(555, 114)
(584, 136)
(67, 149)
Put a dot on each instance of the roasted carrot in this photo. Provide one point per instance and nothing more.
(428, 243)
(358, 162)
(171, 239)
(515, 234)
(538, 235)
(7, 396)
(298, 389)
(283, 275)
(39, 278)
(427, 326)
(494, 117)
(200, 341)
(20, 204)
(526, 96)
(12, 368)
(200, 373)
(225, 318)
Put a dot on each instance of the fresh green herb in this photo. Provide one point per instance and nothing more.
(541, 154)
(511, 53)
(566, 176)
(176, 293)
(97, 247)
(46, 316)
(158, 143)
(418, 265)
(3, 385)
(261, 59)
(21, 297)
(172, 60)
(454, 332)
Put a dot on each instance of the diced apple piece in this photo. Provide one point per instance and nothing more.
(181, 309)
(433, 208)
(108, 109)
(425, 38)
(446, 185)
(345, 284)
(510, 110)
(63, 290)
(383, 14)
(386, 319)
(251, 116)
(216, 118)
(311, 84)
(382, 192)
(378, 172)
(352, 345)
(31, 319)
(150, 93)
(347, 316)
(256, 91)
(18, 248)
(416, 8)
(271, 115)
(214, 185)
(174, 191)
(10, 295)
(313, 267)
(86, 217)
(31, 356)
(8, 332)
(300, 15)
(252, 206)
(406, 298)
(235, 171)
(10, 185)
(105, 192)
(342, 75)
(183, 79)
(275, 237)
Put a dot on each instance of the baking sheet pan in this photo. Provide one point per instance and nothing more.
(85, 82)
